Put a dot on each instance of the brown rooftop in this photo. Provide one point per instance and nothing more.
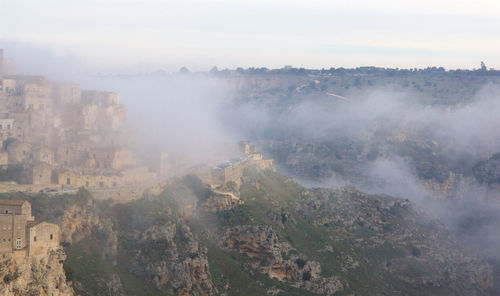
(11, 202)
(30, 224)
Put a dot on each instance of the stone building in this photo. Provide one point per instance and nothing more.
(6, 126)
(101, 98)
(37, 95)
(7, 129)
(4, 159)
(39, 173)
(246, 148)
(18, 151)
(105, 179)
(56, 133)
(43, 154)
(67, 93)
(116, 158)
(71, 154)
(10, 87)
(41, 236)
(19, 233)
(232, 170)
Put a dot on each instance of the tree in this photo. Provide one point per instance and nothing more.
(214, 70)
(184, 70)
(483, 66)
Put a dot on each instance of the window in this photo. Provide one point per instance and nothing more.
(68, 181)
(6, 211)
(51, 236)
(1, 127)
(87, 184)
(18, 243)
(34, 238)
(8, 126)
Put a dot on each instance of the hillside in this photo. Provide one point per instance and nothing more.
(282, 239)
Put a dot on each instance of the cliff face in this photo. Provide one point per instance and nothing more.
(178, 264)
(324, 241)
(280, 238)
(42, 275)
(262, 243)
(82, 220)
(419, 241)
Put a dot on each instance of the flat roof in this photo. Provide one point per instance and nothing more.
(12, 202)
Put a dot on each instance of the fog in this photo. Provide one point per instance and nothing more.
(194, 116)
(456, 137)
(167, 112)
(174, 113)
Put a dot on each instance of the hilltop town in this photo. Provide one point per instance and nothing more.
(57, 137)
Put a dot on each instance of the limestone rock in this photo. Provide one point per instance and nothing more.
(41, 275)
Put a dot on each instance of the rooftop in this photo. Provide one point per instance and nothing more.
(10, 202)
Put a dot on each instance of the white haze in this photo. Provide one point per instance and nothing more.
(177, 114)
(465, 133)
(191, 115)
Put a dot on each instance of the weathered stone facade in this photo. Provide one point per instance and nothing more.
(20, 235)
(232, 170)
(54, 133)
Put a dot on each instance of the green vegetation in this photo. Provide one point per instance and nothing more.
(200, 189)
(12, 173)
(232, 270)
(334, 228)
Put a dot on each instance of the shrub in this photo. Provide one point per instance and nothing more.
(300, 263)
(306, 276)
(8, 278)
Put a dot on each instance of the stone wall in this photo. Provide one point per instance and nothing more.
(5, 233)
(41, 237)
(97, 180)
(234, 171)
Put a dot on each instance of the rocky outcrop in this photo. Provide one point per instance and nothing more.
(221, 201)
(82, 220)
(41, 275)
(386, 223)
(181, 266)
(263, 244)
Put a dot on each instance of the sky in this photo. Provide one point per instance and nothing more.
(133, 35)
